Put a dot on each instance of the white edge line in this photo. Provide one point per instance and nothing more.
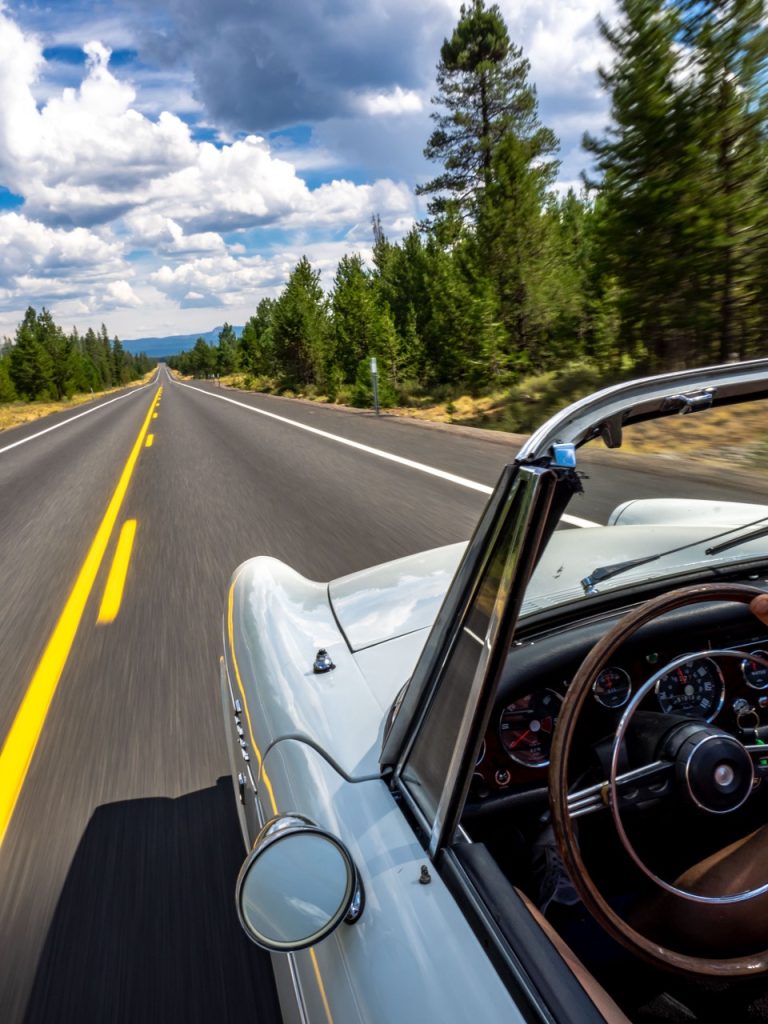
(420, 466)
(63, 423)
(585, 524)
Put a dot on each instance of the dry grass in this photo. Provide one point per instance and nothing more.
(460, 410)
(730, 434)
(13, 414)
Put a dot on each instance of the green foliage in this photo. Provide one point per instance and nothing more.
(7, 390)
(255, 348)
(681, 211)
(354, 309)
(45, 364)
(483, 97)
(300, 330)
(226, 356)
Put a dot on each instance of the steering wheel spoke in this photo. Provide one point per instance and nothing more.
(636, 788)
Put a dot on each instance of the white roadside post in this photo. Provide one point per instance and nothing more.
(375, 381)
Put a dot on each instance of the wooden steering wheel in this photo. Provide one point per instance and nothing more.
(700, 763)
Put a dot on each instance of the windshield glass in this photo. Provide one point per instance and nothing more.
(658, 501)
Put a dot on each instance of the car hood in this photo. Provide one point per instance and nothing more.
(404, 596)
(393, 599)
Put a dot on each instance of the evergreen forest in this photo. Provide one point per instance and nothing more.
(45, 364)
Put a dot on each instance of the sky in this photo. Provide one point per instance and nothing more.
(164, 164)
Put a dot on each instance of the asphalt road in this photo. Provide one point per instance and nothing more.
(118, 865)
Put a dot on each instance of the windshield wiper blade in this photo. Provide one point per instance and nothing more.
(606, 572)
(734, 541)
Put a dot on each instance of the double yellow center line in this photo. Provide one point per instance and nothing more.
(18, 750)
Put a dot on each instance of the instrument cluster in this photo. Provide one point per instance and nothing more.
(518, 743)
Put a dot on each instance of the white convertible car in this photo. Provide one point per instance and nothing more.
(521, 779)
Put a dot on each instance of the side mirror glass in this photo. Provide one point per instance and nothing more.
(296, 886)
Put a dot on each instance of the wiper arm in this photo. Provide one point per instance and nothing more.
(606, 572)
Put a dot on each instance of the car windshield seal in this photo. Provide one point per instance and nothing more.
(607, 572)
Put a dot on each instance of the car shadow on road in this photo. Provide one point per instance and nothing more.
(145, 929)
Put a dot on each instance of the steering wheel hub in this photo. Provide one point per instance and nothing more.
(714, 771)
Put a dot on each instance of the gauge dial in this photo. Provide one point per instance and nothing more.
(695, 690)
(612, 687)
(755, 675)
(526, 727)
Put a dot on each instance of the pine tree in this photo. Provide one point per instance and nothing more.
(202, 359)
(301, 331)
(226, 356)
(483, 95)
(682, 211)
(255, 348)
(31, 367)
(727, 51)
(7, 390)
(121, 373)
(517, 247)
(650, 164)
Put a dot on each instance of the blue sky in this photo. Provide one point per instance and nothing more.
(165, 163)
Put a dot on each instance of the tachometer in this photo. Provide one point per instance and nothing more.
(695, 689)
(526, 727)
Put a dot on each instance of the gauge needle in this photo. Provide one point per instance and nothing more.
(521, 738)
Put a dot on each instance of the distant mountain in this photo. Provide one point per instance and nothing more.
(175, 343)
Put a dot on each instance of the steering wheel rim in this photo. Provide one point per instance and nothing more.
(575, 699)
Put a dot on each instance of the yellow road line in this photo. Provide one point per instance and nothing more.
(113, 591)
(19, 748)
(150, 440)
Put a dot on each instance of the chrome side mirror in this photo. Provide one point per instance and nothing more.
(296, 886)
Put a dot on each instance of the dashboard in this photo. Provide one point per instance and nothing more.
(731, 692)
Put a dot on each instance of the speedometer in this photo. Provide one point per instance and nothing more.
(695, 689)
(526, 727)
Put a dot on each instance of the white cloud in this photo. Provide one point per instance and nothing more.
(165, 235)
(29, 246)
(338, 203)
(397, 101)
(100, 179)
(210, 281)
(122, 294)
